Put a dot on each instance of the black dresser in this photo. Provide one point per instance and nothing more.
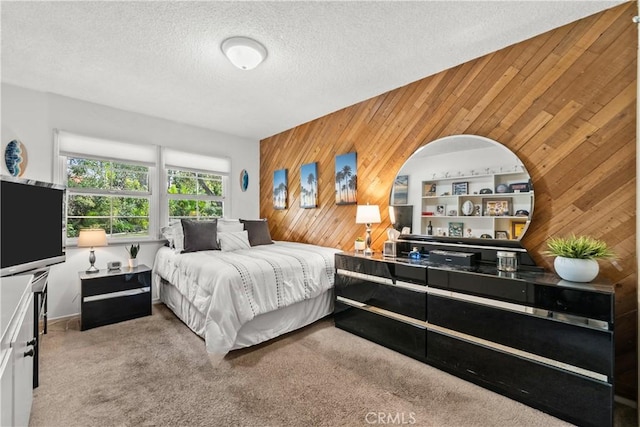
(527, 335)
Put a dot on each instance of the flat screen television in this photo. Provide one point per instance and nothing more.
(32, 230)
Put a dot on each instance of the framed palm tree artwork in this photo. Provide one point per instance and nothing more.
(280, 189)
(346, 179)
(309, 185)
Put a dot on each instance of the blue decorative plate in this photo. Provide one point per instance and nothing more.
(15, 157)
(244, 180)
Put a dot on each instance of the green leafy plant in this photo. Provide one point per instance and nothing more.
(359, 239)
(581, 247)
(133, 250)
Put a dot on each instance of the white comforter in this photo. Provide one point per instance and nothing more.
(231, 288)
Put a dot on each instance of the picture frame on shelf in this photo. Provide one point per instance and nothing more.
(502, 235)
(519, 187)
(460, 188)
(517, 228)
(440, 210)
(456, 229)
(429, 189)
(496, 206)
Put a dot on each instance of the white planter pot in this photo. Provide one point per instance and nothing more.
(360, 246)
(133, 262)
(576, 270)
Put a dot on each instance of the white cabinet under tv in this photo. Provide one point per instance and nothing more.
(491, 205)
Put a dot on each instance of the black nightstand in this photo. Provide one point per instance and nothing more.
(111, 296)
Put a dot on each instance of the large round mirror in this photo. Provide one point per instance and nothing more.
(463, 187)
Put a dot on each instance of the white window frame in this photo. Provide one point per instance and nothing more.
(80, 146)
(192, 162)
(155, 157)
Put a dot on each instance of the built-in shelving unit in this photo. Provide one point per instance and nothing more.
(492, 199)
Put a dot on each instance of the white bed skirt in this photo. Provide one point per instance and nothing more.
(263, 327)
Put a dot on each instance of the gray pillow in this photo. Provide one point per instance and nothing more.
(258, 231)
(200, 235)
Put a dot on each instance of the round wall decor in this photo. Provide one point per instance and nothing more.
(15, 157)
(244, 180)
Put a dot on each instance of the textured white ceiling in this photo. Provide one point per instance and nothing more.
(164, 59)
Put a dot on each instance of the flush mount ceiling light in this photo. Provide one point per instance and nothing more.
(243, 52)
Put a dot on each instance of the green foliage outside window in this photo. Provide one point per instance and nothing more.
(205, 189)
(92, 204)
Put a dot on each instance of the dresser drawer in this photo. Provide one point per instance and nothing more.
(407, 298)
(573, 397)
(115, 283)
(581, 346)
(400, 336)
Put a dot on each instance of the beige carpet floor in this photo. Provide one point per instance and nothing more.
(154, 371)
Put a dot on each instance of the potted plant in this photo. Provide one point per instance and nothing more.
(577, 256)
(133, 253)
(359, 244)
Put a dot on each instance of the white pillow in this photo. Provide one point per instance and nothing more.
(178, 236)
(233, 240)
(167, 233)
(230, 225)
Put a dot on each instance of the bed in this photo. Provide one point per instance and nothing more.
(238, 294)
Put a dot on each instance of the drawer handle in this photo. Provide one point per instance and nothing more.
(29, 353)
(33, 341)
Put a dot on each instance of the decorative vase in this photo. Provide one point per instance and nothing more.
(575, 269)
(133, 262)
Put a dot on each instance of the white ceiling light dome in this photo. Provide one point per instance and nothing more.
(243, 52)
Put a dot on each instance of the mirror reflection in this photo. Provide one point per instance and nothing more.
(463, 187)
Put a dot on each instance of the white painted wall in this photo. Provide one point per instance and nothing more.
(30, 116)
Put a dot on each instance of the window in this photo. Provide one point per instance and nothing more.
(110, 185)
(196, 185)
(194, 194)
(117, 186)
(106, 194)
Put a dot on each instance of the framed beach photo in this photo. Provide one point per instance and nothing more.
(346, 179)
(280, 189)
(309, 185)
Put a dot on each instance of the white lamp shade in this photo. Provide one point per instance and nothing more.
(243, 52)
(368, 214)
(92, 237)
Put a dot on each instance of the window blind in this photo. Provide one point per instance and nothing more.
(174, 159)
(74, 145)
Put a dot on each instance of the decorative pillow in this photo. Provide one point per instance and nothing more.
(200, 235)
(258, 231)
(233, 240)
(230, 225)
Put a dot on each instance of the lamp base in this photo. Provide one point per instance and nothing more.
(368, 252)
(92, 259)
(91, 270)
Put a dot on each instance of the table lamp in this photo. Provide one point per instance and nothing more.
(90, 238)
(368, 214)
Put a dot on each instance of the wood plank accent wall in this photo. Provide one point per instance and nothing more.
(563, 101)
